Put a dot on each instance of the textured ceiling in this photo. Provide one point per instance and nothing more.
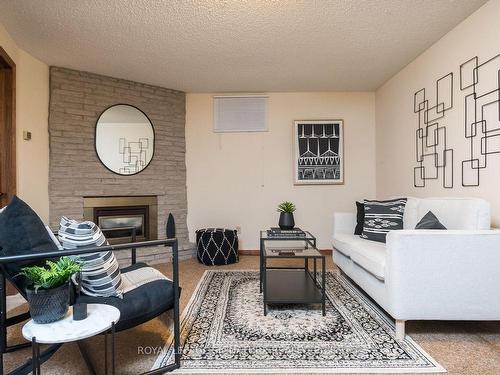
(235, 45)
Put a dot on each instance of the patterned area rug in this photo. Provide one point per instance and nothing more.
(224, 330)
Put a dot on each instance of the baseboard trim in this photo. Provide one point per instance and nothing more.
(255, 252)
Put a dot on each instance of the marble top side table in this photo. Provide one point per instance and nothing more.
(101, 318)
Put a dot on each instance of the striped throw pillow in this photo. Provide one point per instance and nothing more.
(381, 217)
(101, 275)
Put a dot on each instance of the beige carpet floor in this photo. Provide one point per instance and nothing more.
(461, 347)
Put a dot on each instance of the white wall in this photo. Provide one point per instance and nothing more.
(238, 179)
(396, 122)
(32, 106)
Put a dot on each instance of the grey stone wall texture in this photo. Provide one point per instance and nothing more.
(76, 101)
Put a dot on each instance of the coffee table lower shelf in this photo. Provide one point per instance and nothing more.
(291, 286)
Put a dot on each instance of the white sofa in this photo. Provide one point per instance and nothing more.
(449, 274)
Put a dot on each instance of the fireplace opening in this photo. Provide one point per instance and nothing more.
(123, 212)
(123, 217)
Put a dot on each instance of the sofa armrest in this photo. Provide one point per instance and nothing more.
(443, 274)
(344, 222)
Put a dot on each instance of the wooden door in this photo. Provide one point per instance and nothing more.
(7, 128)
(7, 133)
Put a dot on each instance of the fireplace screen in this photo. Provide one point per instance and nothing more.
(126, 218)
(113, 222)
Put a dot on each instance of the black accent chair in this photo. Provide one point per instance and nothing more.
(137, 306)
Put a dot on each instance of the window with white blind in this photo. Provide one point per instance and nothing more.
(240, 113)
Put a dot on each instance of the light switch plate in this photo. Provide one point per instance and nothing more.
(26, 135)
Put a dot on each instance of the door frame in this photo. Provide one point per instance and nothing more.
(8, 129)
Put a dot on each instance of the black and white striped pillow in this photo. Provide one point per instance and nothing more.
(101, 275)
(381, 217)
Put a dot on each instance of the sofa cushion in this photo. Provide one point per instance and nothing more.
(381, 217)
(22, 232)
(453, 213)
(147, 294)
(370, 255)
(343, 243)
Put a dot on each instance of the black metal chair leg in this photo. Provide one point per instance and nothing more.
(14, 348)
(177, 340)
(26, 367)
(177, 332)
(323, 286)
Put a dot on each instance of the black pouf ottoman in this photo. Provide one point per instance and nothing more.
(217, 246)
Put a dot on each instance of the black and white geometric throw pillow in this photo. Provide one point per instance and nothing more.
(101, 276)
(429, 221)
(360, 218)
(381, 217)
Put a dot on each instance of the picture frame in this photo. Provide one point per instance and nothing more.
(318, 152)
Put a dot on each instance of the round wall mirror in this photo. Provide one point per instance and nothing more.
(124, 139)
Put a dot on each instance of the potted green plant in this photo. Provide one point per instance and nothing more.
(48, 289)
(286, 210)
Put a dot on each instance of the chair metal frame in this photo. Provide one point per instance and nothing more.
(7, 322)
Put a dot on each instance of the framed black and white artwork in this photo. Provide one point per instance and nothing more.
(319, 152)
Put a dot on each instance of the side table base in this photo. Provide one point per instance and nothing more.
(36, 356)
(88, 361)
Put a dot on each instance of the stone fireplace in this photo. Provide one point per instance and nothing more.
(80, 187)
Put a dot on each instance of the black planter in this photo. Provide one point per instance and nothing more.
(286, 221)
(48, 305)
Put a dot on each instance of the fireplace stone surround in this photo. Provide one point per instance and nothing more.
(76, 174)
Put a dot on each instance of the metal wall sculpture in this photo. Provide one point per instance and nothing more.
(432, 154)
(134, 155)
(481, 82)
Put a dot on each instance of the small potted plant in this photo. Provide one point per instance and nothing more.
(286, 210)
(48, 290)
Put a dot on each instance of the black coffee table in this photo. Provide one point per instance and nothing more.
(291, 284)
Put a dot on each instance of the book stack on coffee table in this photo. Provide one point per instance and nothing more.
(286, 233)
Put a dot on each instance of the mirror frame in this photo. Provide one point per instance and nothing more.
(95, 139)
